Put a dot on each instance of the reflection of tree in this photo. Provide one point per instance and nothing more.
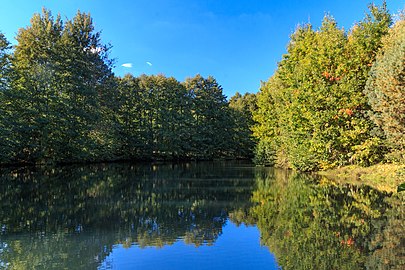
(58, 251)
(318, 225)
(71, 217)
(52, 216)
(389, 244)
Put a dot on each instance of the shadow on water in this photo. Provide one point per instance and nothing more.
(73, 216)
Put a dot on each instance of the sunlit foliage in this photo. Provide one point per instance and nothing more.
(313, 113)
(61, 103)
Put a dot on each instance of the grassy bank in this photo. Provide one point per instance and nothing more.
(385, 177)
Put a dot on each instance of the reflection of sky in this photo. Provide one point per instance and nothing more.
(237, 248)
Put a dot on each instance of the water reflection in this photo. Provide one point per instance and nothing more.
(75, 217)
(315, 224)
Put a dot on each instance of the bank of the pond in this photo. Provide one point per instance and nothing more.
(384, 177)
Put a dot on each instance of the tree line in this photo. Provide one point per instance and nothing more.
(60, 102)
(337, 97)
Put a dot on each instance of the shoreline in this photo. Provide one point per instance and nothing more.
(384, 177)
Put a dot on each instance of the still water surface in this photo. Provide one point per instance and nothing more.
(207, 215)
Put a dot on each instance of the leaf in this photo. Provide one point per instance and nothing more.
(401, 187)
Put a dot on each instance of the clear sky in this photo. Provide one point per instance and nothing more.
(239, 42)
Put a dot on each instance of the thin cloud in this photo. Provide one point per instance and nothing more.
(149, 63)
(127, 65)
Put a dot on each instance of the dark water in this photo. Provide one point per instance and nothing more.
(212, 215)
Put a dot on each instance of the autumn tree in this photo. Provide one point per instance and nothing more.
(359, 141)
(312, 113)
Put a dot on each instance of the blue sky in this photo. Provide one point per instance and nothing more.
(239, 42)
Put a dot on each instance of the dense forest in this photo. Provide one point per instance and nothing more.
(60, 103)
(336, 98)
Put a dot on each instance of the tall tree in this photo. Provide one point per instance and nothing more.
(89, 80)
(359, 142)
(386, 88)
(272, 104)
(34, 89)
(166, 101)
(62, 74)
(6, 135)
(212, 129)
(4, 62)
(154, 117)
(242, 108)
(130, 117)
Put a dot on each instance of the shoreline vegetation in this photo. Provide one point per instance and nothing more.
(335, 104)
(61, 103)
(337, 97)
(383, 177)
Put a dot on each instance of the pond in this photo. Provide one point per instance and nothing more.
(201, 215)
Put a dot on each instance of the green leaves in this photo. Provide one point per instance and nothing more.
(211, 130)
(312, 112)
(6, 141)
(386, 87)
(65, 105)
(242, 109)
(58, 91)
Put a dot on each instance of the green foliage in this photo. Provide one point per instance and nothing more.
(60, 102)
(265, 154)
(6, 134)
(4, 62)
(154, 117)
(386, 87)
(211, 134)
(313, 111)
(161, 118)
(242, 109)
(401, 187)
(61, 76)
(369, 152)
